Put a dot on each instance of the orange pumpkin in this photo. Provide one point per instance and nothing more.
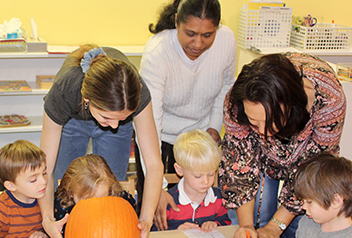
(103, 217)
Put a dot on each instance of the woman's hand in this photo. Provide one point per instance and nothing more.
(272, 230)
(160, 218)
(53, 228)
(269, 231)
(144, 225)
(242, 232)
(209, 226)
(215, 135)
(188, 226)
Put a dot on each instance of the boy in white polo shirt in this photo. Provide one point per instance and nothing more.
(197, 160)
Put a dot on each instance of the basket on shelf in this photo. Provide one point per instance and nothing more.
(321, 37)
(266, 27)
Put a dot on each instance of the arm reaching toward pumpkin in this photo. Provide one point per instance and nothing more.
(147, 139)
(49, 143)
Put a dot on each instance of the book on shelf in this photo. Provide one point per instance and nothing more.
(9, 86)
(45, 81)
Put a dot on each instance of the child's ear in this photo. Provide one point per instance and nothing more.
(10, 186)
(178, 169)
(337, 202)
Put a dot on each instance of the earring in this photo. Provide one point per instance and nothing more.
(86, 104)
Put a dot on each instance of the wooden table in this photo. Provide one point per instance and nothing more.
(227, 231)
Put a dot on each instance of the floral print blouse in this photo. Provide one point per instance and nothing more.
(246, 153)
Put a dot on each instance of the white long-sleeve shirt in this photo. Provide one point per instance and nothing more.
(188, 94)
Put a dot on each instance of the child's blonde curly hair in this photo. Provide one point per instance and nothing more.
(82, 177)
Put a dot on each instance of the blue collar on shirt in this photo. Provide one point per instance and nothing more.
(19, 203)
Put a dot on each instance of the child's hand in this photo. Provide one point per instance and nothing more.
(144, 225)
(209, 226)
(38, 234)
(187, 226)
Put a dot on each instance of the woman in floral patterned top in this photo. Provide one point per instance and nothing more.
(282, 110)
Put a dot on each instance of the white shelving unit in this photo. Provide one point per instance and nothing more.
(26, 66)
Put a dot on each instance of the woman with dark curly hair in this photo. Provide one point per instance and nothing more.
(282, 110)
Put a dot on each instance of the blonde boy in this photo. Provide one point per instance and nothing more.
(23, 173)
(325, 185)
(197, 160)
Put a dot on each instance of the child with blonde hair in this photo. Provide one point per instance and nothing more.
(87, 176)
(23, 173)
(197, 159)
(325, 185)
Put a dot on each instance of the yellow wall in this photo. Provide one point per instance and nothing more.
(125, 22)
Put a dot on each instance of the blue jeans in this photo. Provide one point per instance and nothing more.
(113, 145)
(268, 208)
